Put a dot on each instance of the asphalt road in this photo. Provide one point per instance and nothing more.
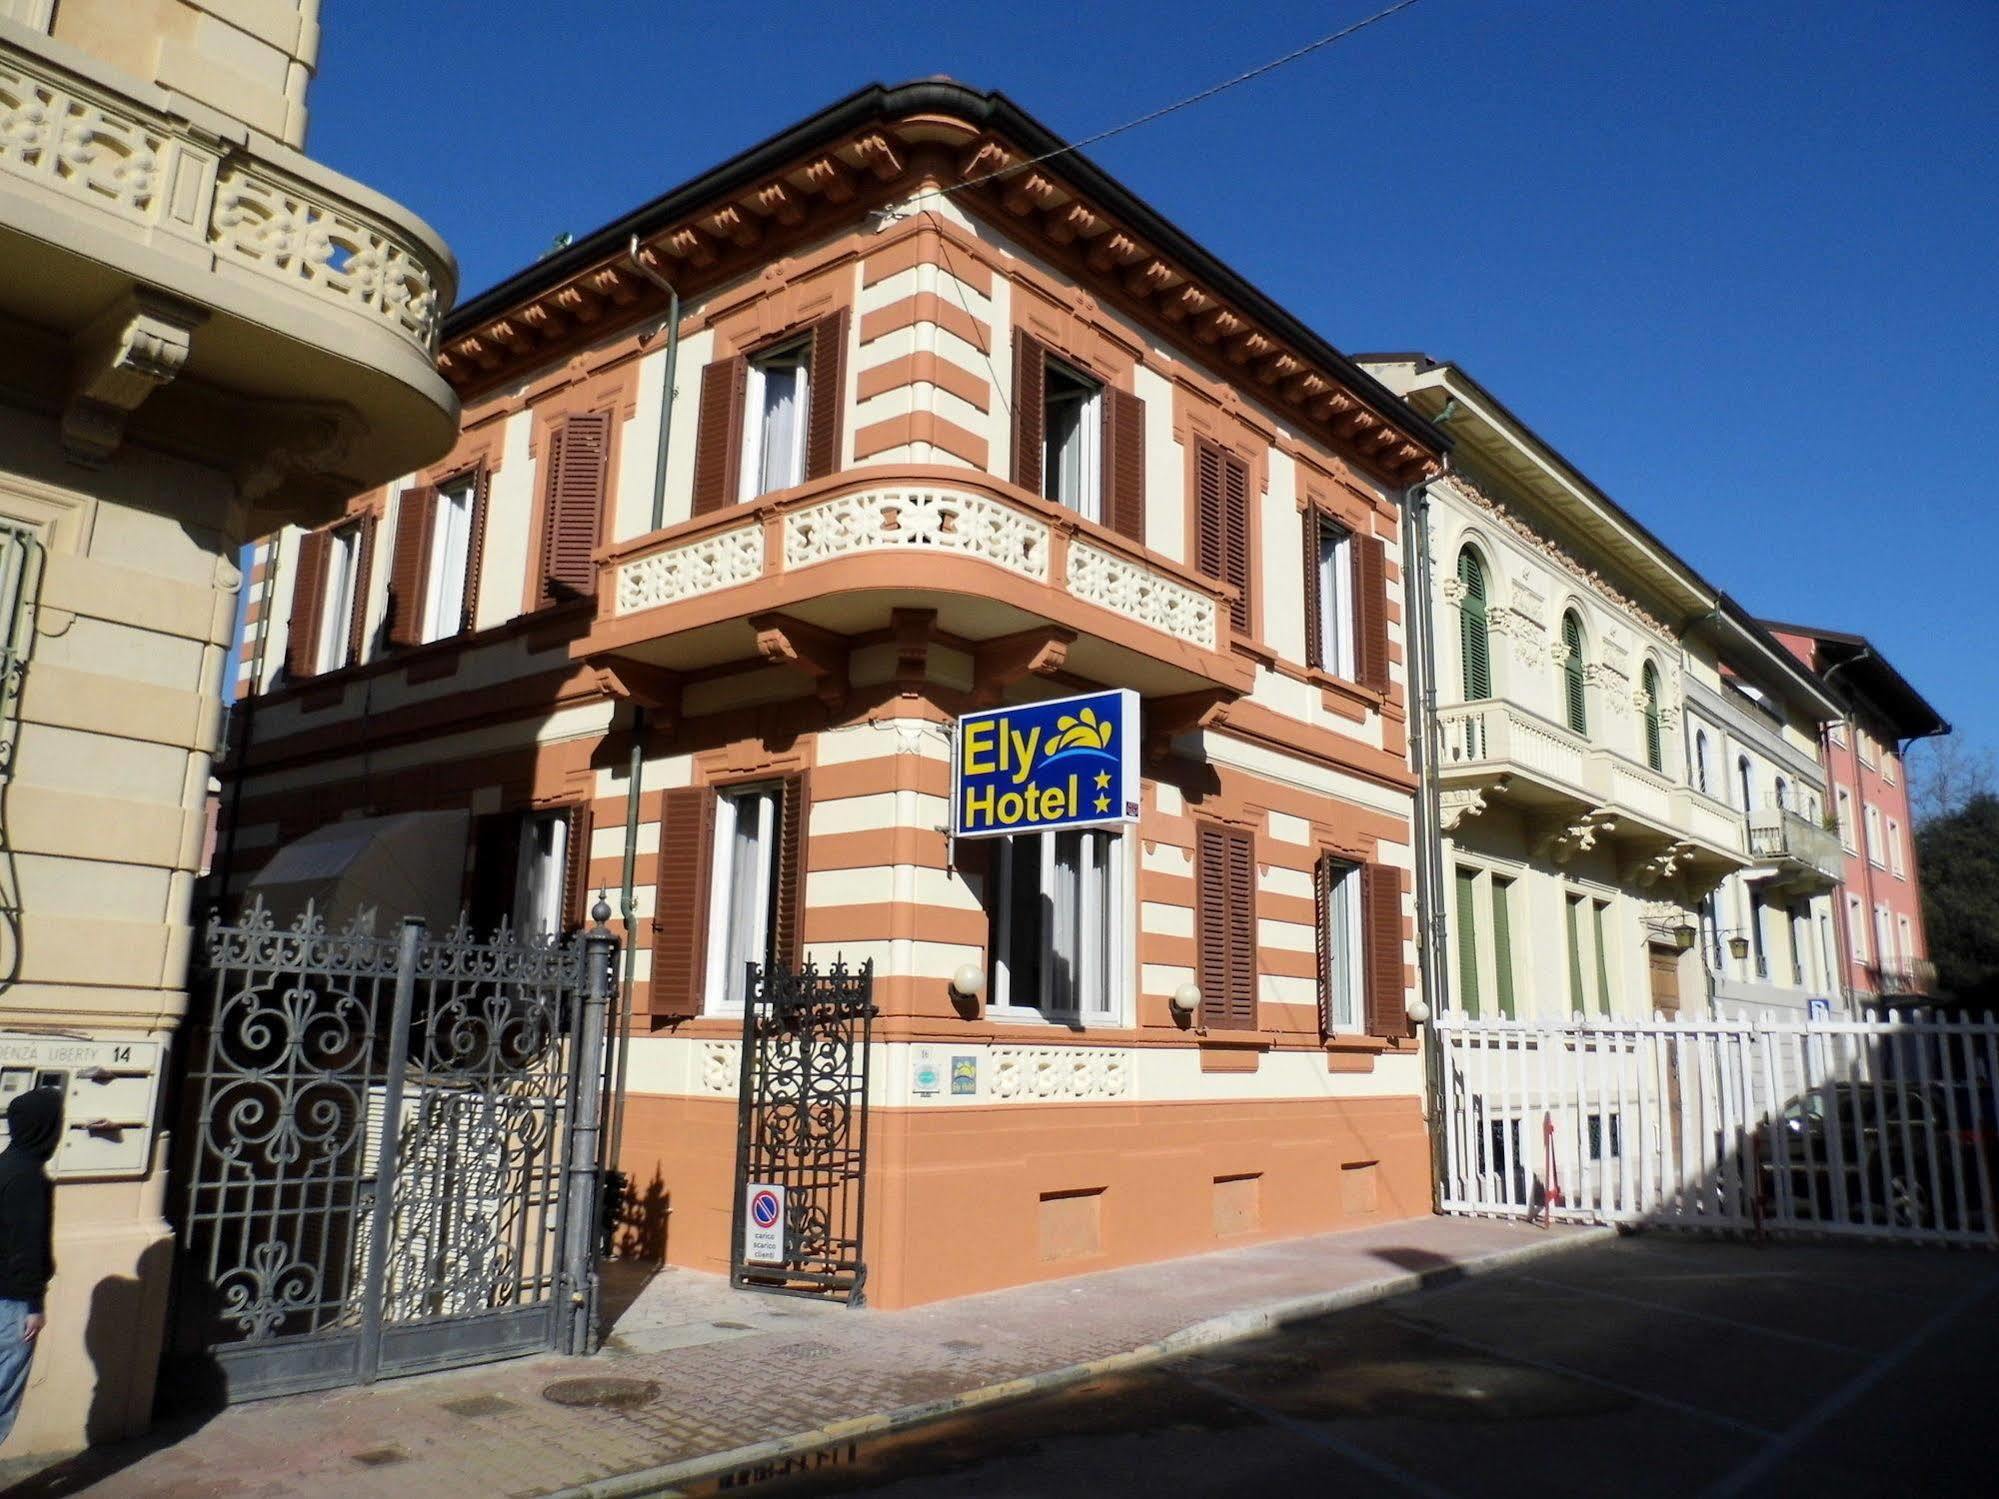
(1649, 1365)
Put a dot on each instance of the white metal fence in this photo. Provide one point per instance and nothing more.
(1872, 1128)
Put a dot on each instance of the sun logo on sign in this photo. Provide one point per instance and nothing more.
(1080, 731)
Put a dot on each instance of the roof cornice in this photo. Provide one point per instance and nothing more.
(879, 146)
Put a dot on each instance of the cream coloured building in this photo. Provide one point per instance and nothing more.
(1590, 687)
(203, 334)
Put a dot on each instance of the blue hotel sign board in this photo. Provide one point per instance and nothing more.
(1041, 767)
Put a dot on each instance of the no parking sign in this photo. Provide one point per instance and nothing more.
(763, 1224)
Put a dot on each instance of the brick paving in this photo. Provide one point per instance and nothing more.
(732, 1368)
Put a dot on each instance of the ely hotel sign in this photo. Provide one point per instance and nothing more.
(1041, 767)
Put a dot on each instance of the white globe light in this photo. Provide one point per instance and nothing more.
(1417, 1011)
(969, 980)
(1187, 998)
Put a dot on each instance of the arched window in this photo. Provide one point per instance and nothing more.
(1700, 761)
(1474, 641)
(1783, 792)
(1748, 779)
(1573, 696)
(1655, 742)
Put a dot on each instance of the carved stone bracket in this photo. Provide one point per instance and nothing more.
(653, 688)
(999, 663)
(1458, 803)
(1168, 717)
(132, 348)
(820, 654)
(913, 630)
(1659, 864)
(1571, 836)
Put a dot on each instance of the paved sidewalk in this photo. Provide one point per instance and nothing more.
(738, 1377)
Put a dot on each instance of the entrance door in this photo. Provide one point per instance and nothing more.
(1665, 981)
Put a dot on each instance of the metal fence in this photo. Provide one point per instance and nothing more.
(1880, 1128)
(388, 1153)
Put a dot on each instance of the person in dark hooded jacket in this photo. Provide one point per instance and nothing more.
(34, 1129)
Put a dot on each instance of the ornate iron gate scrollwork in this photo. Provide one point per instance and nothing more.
(802, 1125)
(387, 1160)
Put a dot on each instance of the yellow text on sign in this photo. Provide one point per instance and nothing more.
(988, 806)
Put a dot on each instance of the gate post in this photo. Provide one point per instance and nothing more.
(382, 1224)
(583, 1197)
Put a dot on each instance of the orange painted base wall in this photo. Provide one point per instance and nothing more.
(972, 1199)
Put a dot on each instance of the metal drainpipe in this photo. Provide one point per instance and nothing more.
(1430, 920)
(617, 1067)
(1841, 924)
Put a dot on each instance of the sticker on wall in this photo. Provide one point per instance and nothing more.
(924, 1079)
(1071, 762)
(964, 1077)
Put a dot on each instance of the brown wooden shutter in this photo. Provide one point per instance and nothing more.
(475, 552)
(576, 873)
(410, 565)
(1322, 937)
(1221, 523)
(1225, 926)
(308, 597)
(1370, 587)
(1315, 624)
(1235, 536)
(364, 577)
(1030, 393)
(787, 941)
(826, 395)
(1124, 463)
(718, 439)
(680, 901)
(572, 507)
(1381, 917)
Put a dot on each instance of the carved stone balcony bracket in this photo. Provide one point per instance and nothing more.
(132, 348)
(1660, 864)
(999, 663)
(1568, 837)
(820, 654)
(1168, 717)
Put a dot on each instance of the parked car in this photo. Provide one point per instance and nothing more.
(1875, 1140)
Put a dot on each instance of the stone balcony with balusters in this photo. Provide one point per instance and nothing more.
(910, 559)
(208, 287)
(1575, 793)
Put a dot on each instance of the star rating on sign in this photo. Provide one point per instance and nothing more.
(1103, 804)
(1103, 779)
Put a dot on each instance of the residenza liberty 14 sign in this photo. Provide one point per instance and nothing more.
(1068, 763)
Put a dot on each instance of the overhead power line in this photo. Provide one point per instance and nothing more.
(1192, 99)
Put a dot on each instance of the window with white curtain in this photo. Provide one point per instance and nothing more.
(775, 406)
(1843, 810)
(1895, 850)
(336, 605)
(541, 872)
(1856, 928)
(1336, 600)
(1072, 436)
(744, 888)
(1872, 818)
(1343, 946)
(450, 560)
(1057, 924)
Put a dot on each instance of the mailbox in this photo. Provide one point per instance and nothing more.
(111, 1091)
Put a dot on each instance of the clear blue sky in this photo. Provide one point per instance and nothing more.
(1735, 260)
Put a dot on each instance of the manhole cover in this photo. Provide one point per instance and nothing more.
(603, 1392)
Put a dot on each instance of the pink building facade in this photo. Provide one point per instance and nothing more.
(1884, 950)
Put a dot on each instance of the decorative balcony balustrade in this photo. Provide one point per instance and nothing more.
(158, 175)
(1498, 744)
(1780, 836)
(867, 515)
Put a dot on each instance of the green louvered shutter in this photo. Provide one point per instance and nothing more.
(1475, 646)
(1572, 674)
(1468, 942)
(1502, 945)
(1655, 748)
(1597, 909)
(1577, 1000)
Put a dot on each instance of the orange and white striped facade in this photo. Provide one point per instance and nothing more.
(822, 635)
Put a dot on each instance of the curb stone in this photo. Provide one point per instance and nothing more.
(669, 1479)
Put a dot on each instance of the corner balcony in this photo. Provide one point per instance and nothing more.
(1793, 853)
(1572, 793)
(227, 297)
(907, 556)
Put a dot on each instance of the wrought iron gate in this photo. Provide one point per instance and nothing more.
(802, 1127)
(388, 1153)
